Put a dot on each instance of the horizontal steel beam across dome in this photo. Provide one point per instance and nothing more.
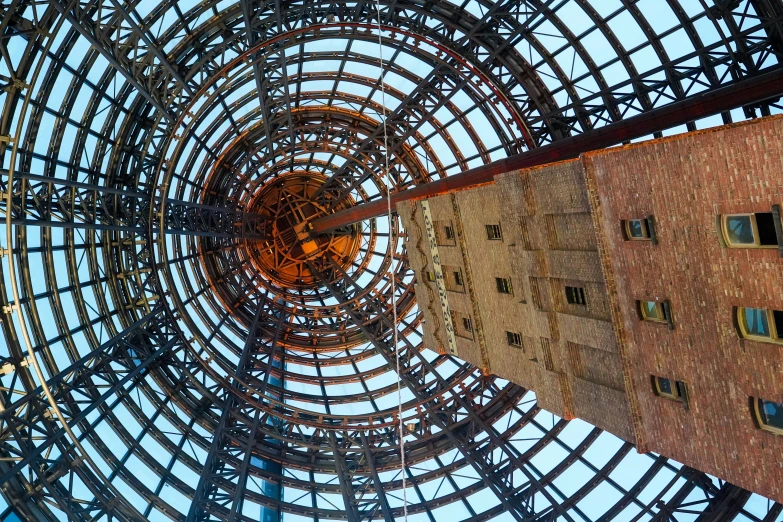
(749, 92)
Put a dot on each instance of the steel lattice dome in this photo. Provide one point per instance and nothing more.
(168, 354)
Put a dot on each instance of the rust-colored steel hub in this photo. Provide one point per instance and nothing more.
(287, 200)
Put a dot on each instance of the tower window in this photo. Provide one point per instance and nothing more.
(749, 230)
(575, 295)
(769, 415)
(430, 276)
(467, 324)
(493, 232)
(458, 278)
(654, 311)
(637, 230)
(669, 389)
(760, 324)
(444, 232)
(514, 339)
(503, 285)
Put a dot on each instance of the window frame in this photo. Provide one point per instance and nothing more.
(467, 324)
(578, 292)
(448, 231)
(774, 335)
(511, 338)
(759, 415)
(508, 288)
(645, 230)
(674, 395)
(679, 389)
(458, 279)
(658, 306)
(724, 229)
(491, 237)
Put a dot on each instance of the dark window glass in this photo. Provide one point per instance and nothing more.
(449, 233)
(493, 232)
(635, 228)
(514, 338)
(777, 316)
(575, 295)
(458, 278)
(766, 229)
(467, 324)
(665, 386)
(503, 284)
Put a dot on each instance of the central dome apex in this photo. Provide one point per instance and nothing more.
(290, 205)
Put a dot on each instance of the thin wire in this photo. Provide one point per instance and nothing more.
(387, 182)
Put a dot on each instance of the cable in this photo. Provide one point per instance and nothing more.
(388, 184)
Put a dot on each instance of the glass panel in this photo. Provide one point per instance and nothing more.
(650, 310)
(756, 322)
(739, 230)
(635, 228)
(772, 413)
(665, 386)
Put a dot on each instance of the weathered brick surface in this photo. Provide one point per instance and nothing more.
(562, 227)
(686, 182)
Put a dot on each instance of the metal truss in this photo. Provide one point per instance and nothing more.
(52, 202)
(153, 368)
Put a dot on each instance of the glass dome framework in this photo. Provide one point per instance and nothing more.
(154, 368)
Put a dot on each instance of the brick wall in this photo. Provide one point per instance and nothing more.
(686, 182)
(552, 244)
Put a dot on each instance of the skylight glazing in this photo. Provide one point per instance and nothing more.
(160, 360)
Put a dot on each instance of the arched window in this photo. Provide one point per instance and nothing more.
(769, 415)
(760, 324)
(749, 230)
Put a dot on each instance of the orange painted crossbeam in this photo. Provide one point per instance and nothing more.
(737, 94)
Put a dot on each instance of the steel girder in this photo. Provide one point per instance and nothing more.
(209, 500)
(34, 442)
(53, 202)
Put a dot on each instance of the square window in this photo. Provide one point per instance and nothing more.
(449, 232)
(467, 324)
(493, 232)
(458, 278)
(430, 276)
(514, 338)
(575, 295)
(503, 285)
(665, 386)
